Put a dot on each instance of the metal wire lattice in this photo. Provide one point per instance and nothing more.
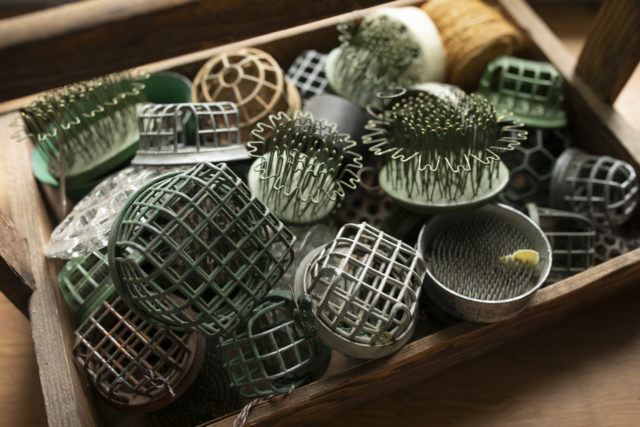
(364, 288)
(85, 282)
(307, 73)
(532, 90)
(572, 239)
(273, 350)
(132, 362)
(189, 133)
(197, 251)
(601, 187)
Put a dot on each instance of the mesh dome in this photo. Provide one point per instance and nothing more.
(197, 251)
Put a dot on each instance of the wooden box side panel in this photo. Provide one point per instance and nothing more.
(66, 398)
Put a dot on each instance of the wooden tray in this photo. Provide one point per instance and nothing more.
(595, 126)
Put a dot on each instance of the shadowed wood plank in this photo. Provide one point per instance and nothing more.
(21, 401)
(66, 400)
(87, 39)
(581, 371)
(15, 268)
(612, 49)
(424, 357)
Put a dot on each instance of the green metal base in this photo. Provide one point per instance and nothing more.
(466, 200)
(82, 180)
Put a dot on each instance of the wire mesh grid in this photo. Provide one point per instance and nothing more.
(272, 351)
(197, 251)
(302, 170)
(188, 133)
(532, 90)
(604, 188)
(307, 73)
(85, 282)
(531, 165)
(365, 286)
(133, 362)
(572, 239)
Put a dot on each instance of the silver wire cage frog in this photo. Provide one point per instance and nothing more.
(189, 133)
(364, 289)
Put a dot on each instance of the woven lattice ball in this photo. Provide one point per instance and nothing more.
(197, 251)
(85, 282)
(274, 349)
(133, 363)
(364, 289)
(251, 79)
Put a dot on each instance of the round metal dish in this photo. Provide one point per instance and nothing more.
(477, 310)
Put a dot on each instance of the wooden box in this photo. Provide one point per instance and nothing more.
(595, 125)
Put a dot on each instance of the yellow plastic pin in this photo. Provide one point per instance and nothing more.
(525, 256)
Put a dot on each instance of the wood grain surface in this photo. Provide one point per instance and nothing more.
(581, 371)
(51, 320)
(87, 39)
(19, 285)
(612, 48)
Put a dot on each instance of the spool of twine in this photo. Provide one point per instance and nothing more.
(473, 34)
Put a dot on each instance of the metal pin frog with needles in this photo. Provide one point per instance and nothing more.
(484, 265)
(302, 168)
(442, 148)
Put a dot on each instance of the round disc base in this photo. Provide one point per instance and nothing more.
(417, 202)
(296, 212)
